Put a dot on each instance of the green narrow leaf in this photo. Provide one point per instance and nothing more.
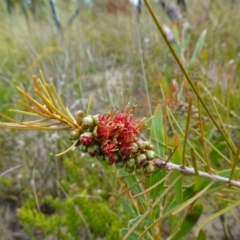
(128, 208)
(194, 161)
(143, 223)
(187, 193)
(235, 163)
(150, 209)
(157, 131)
(132, 236)
(200, 183)
(215, 215)
(157, 135)
(186, 41)
(201, 235)
(130, 180)
(189, 221)
(191, 200)
(197, 49)
(177, 43)
(177, 158)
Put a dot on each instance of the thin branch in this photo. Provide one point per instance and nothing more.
(10, 170)
(55, 14)
(77, 11)
(190, 171)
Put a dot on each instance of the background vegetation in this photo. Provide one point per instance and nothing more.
(101, 55)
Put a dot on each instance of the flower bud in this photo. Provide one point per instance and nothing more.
(111, 158)
(141, 143)
(93, 150)
(134, 147)
(149, 169)
(125, 152)
(79, 116)
(141, 159)
(100, 157)
(95, 135)
(95, 119)
(130, 165)
(83, 148)
(151, 147)
(139, 170)
(86, 138)
(150, 154)
(120, 163)
(87, 122)
(74, 134)
(147, 144)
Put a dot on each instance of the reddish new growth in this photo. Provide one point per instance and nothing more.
(118, 131)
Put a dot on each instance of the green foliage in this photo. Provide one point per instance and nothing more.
(65, 218)
(189, 221)
(31, 217)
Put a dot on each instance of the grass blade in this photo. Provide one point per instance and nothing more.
(193, 214)
(191, 200)
(157, 134)
(197, 49)
(215, 215)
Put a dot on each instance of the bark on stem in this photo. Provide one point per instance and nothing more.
(190, 171)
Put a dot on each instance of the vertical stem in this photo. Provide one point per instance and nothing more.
(55, 14)
(202, 137)
(231, 146)
(186, 130)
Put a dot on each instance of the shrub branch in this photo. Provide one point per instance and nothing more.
(159, 163)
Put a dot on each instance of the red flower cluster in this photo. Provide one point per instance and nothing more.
(118, 132)
(114, 138)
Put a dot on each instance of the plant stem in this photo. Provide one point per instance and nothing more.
(9, 170)
(190, 171)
